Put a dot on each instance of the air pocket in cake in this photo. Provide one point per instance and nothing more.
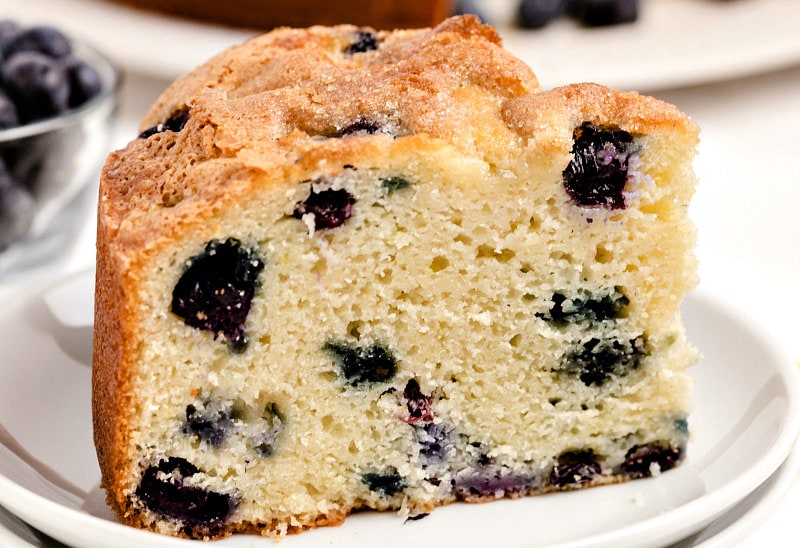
(216, 290)
(598, 172)
(172, 489)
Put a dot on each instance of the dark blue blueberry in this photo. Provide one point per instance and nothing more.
(386, 483)
(202, 512)
(43, 39)
(417, 403)
(490, 483)
(598, 360)
(640, 459)
(216, 290)
(363, 41)
(585, 307)
(210, 422)
(535, 14)
(330, 208)
(17, 209)
(174, 123)
(575, 468)
(84, 81)
(359, 128)
(38, 85)
(9, 30)
(363, 365)
(8, 111)
(597, 174)
(393, 184)
(599, 13)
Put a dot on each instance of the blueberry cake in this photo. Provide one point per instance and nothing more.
(342, 269)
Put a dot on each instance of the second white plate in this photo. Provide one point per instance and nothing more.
(746, 419)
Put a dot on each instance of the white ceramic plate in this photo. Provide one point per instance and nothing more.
(746, 419)
(675, 42)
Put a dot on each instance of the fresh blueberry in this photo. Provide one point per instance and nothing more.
(363, 365)
(210, 422)
(9, 30)
(330, 208)
(38, 85)
(585, 307)
(640, 460)
(598, 360)
(598, 13)
(363, 41)
(216, 290)
(417, 403)
(535, 14)
(84, 81)
(575, 468)
(17, 209)
(43, 39)
(8, 112)
(174, 123)
(597, 174)
(163, 490)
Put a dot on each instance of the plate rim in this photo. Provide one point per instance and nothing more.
(722, 499)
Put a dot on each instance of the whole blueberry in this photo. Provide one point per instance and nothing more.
(8, 111)
(387, 483)
(44, 39)
(9, 30)
(535, 14)
(599, 13)
(38, 85)
(84, 81)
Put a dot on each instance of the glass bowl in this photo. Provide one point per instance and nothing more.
(54, 160)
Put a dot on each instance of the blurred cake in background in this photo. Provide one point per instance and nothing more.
(265, 14)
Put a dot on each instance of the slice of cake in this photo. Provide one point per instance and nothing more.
(342, 269)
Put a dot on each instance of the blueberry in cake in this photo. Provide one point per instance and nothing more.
(343, 269)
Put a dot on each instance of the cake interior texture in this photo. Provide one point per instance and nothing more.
(389, 278)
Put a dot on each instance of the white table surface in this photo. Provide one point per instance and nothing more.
(747, 209)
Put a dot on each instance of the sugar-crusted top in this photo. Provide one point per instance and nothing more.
(267, 109)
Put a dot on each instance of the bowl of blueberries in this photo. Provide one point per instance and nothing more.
(58, 100)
